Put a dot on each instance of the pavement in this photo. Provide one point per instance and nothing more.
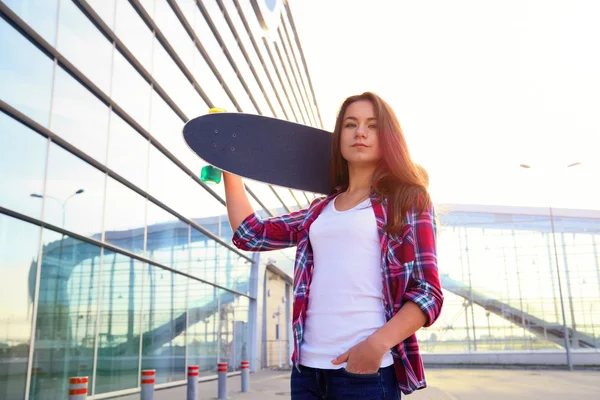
(443, 384)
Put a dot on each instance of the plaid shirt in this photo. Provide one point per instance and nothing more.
(408, 267)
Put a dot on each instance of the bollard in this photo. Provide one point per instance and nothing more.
(147, 381)
(222, 370)
(78, 388)
(192, 385)
(245, 375)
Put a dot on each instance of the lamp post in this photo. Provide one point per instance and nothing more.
(63, 204)
(562, 303)
(59, 317)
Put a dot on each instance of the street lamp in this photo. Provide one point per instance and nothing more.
(562, 304)
(63, 204)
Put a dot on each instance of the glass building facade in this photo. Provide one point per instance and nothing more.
(115, 256)
(503, 270)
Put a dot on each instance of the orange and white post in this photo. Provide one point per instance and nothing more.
(222, 381)
(192, 384)
(78, 387)
(245, 367)
(147, 380)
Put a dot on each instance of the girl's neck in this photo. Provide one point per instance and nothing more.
(360, 179)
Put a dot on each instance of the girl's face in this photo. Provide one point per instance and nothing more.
(359, 138)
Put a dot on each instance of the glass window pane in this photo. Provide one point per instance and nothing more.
(83, 45)
(202, 72)
(130, 91)
(127, 152)
(39, 14)
(283, 68)
(234, 50)
(19, 246)
(266, 196)
(74, 194)
(22, 166)
(66, 316)
(149, 6)
(173, 81)
(167, 128)
(124, 217)
(210, 84)
(215, 263)
(238, 344)
(203, 322)
(287, 197)
(226, 349)
(166, 181)
(218, 58)
(168, 239)
(258, 33)
(134, 33)
(119, 334)
(245, 39)
(164, 322)
(105, 9)
(176, 35)
(79, 117)
(26, 75)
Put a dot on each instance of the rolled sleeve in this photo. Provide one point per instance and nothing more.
(424, 288)
(256, 234)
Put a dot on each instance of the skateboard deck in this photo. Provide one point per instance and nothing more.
(264, 149)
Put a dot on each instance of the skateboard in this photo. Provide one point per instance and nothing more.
(263, 149)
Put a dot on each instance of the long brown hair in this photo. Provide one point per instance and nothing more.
(397, 178)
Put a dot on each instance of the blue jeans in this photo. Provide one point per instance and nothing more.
(338, 384)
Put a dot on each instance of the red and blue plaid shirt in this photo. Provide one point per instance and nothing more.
(408, 267)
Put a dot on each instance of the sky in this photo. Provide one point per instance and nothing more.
(479, 87)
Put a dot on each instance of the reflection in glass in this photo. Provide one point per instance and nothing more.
(124, 217)
(287, 197)
(266, 196)
(134, 33)
(105, 9)
(169, 25)
(26, 75)
(168, 239)
(248, 12)
(217, 56)
(164, 324)
(232, 46)
(233, 329)
(22, 165)
(66, 316)
(166, 181)
(240, 335)
(215, 263)
(74, 193)
(203, 319)
(245, 39)
(174, 82)
(39, 14)
(19, 246)
(127, 152)
(79, 117)
(302, 197)
(167, 127)
(83, 45)
(130, 91)
(119, 335)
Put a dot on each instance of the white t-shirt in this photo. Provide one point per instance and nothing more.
(345, 304)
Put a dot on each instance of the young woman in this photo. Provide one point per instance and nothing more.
(365, 274)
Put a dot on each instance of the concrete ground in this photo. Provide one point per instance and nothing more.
(444, 384)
